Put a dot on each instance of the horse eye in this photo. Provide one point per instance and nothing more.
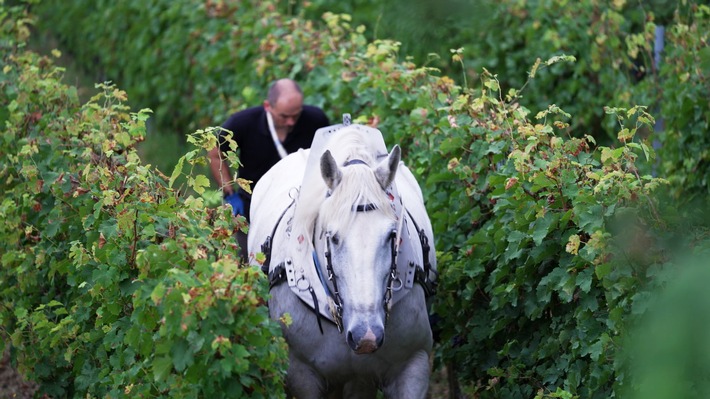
(335, 239)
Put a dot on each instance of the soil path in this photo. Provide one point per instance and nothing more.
(12, 385)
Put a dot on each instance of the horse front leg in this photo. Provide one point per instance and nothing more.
(302, 382)
(412, 381)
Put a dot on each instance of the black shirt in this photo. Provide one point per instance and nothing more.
(257, 152)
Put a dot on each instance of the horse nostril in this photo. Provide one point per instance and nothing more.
(351, 342)
(380, 340)
(379, 333)
(363, 339)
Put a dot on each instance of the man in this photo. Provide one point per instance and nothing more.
(264, 135)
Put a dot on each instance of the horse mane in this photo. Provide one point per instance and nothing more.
(359, 186)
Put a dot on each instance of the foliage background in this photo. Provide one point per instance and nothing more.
(551, 245)
(112, 283)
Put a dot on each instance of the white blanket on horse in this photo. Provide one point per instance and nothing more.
(285, 205)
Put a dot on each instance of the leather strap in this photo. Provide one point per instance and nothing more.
(279, 147)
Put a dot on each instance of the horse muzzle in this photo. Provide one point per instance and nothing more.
(364, 339)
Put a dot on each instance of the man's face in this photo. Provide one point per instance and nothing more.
(286, 111)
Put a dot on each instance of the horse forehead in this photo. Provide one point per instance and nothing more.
(368, 237)
(371, 223)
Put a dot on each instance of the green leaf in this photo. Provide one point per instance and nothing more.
(183, 277)
(52, 229)
(584, 280)
(440, 177)
(543, 226)
(182, 355)
(54, 303)
(497, 147)
(595, 350)
(196, 341)
(20, 313)
(590, 218)
(162, 366)
(602, 270)
(176, 171)
(516, 237)
(560, 281)
(704, 56)
(158, 293)
(646, 151)
(451, 145)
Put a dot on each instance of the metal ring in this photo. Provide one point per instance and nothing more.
(301, 286)
(396, 287)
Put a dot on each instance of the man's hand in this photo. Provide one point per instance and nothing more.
(220, 171)
(236, 202)
(228, 190)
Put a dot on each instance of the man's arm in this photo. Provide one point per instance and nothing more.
(220, 171)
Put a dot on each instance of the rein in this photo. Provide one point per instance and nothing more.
(266, 249)
(422, 275)
(338, 316)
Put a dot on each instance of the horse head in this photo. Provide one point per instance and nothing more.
(355, 238)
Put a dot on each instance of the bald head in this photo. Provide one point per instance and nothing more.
(285, 103)
(283, 88)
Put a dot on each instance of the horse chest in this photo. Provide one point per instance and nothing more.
(407, 332)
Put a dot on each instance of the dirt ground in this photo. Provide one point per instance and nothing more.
(12, 385)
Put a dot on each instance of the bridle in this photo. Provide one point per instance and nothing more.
(394, 283)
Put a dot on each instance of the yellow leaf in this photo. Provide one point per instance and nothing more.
(556, 142)
(534, 68)
(244, 184)
(625, 134)
(510, 183)
(199, 183)
(572, 246)
(120, 95)
(492, 84)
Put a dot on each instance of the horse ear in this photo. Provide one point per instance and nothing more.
(329, 170)
(387, 169)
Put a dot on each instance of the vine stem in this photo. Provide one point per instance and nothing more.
(135, 240)
(650, 201)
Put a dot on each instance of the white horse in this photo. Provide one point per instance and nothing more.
(350, 259)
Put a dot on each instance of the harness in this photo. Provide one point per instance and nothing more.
(413, 272)
(409, 265)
